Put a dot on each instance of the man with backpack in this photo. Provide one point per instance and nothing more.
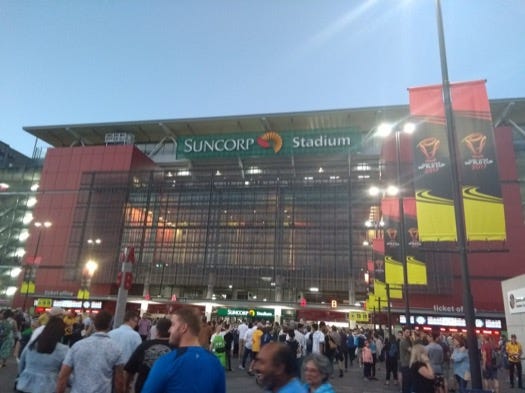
(350, 348)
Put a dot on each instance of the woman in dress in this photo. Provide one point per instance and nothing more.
(316, 371)
(41, 360)
(461, 363)
(421, 372)
(8, 329)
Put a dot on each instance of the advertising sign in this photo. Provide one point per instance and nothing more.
(516, 301)
(245, 313)
(268, 144)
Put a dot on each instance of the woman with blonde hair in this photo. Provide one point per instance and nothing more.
(421, 372)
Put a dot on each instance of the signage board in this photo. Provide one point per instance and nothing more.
(358, 316)
(245, 313)
(269, 143)
(516, 300)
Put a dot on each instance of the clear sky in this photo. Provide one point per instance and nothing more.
(70, 62)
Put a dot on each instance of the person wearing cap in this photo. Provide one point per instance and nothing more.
(143, 358)
(53, 312)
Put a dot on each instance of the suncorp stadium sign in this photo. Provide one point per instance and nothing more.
(269, 143)
(245, 313)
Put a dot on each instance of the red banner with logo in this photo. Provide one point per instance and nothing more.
(481, 193)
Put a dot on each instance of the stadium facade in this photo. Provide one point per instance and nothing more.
(248, 212)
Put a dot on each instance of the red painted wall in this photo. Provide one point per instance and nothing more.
(57, 199)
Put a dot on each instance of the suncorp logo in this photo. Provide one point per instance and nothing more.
(270, 139)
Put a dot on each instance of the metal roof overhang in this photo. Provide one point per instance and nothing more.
(153, 131)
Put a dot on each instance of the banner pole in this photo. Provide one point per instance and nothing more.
(468, 303)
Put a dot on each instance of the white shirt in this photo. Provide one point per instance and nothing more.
(317, 338)
(248, 337)
(242, 330)
(301, 339)
(127, 339)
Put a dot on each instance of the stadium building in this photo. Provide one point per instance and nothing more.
(262, 212)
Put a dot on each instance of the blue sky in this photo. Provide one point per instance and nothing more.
(70, 62)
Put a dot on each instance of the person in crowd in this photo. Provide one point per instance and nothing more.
(96, 362)
(334, 348)
(70, 319)
(421, 373)
(8, 329)
(373, 348)
(41, 360)
(205, 333)
(247, 352)
(514, 352)
(276, 369)
(391, 358)
(317, 339)
(368, 360)
(242, 329)
(350, 350)
(316, 373)
(126, 337)
(256, 345)
(292, 342)
(405, 346)
(436, 355)
(144, 326)
(57, 312)
(146, 355)
(228, 341)
(218, 345)
(189, 367)
(490, 364)
(461, 363)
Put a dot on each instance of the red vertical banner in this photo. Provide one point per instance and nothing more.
(478, 171)
(479, 176)
(432, 171)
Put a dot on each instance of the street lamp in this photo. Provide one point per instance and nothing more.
(385, 130)
(28, 285)
(87, 274)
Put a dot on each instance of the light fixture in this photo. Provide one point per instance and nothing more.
(314, 289)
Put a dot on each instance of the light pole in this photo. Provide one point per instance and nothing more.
(30, 268)
(385, 130)
(468, 301)
(162, 265)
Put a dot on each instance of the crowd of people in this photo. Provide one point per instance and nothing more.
(185, 353)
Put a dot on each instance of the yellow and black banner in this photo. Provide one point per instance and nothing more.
(482, 199)
(481, 192)
(417, 273)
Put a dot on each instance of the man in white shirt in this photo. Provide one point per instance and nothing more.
(126, 337)
(317, 339)
(247, 345)
(242, 332)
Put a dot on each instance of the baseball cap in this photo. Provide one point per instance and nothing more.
(56, 311)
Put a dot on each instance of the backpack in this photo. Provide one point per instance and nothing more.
(219, 345)
(350, 342)
(392, 351)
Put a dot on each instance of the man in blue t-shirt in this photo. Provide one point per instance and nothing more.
(188, 368)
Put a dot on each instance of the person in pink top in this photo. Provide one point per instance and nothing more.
(144, 326)
(368, 360)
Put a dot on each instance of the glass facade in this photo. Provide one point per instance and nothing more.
(265, 232)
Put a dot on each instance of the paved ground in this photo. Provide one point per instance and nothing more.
(238, 381)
